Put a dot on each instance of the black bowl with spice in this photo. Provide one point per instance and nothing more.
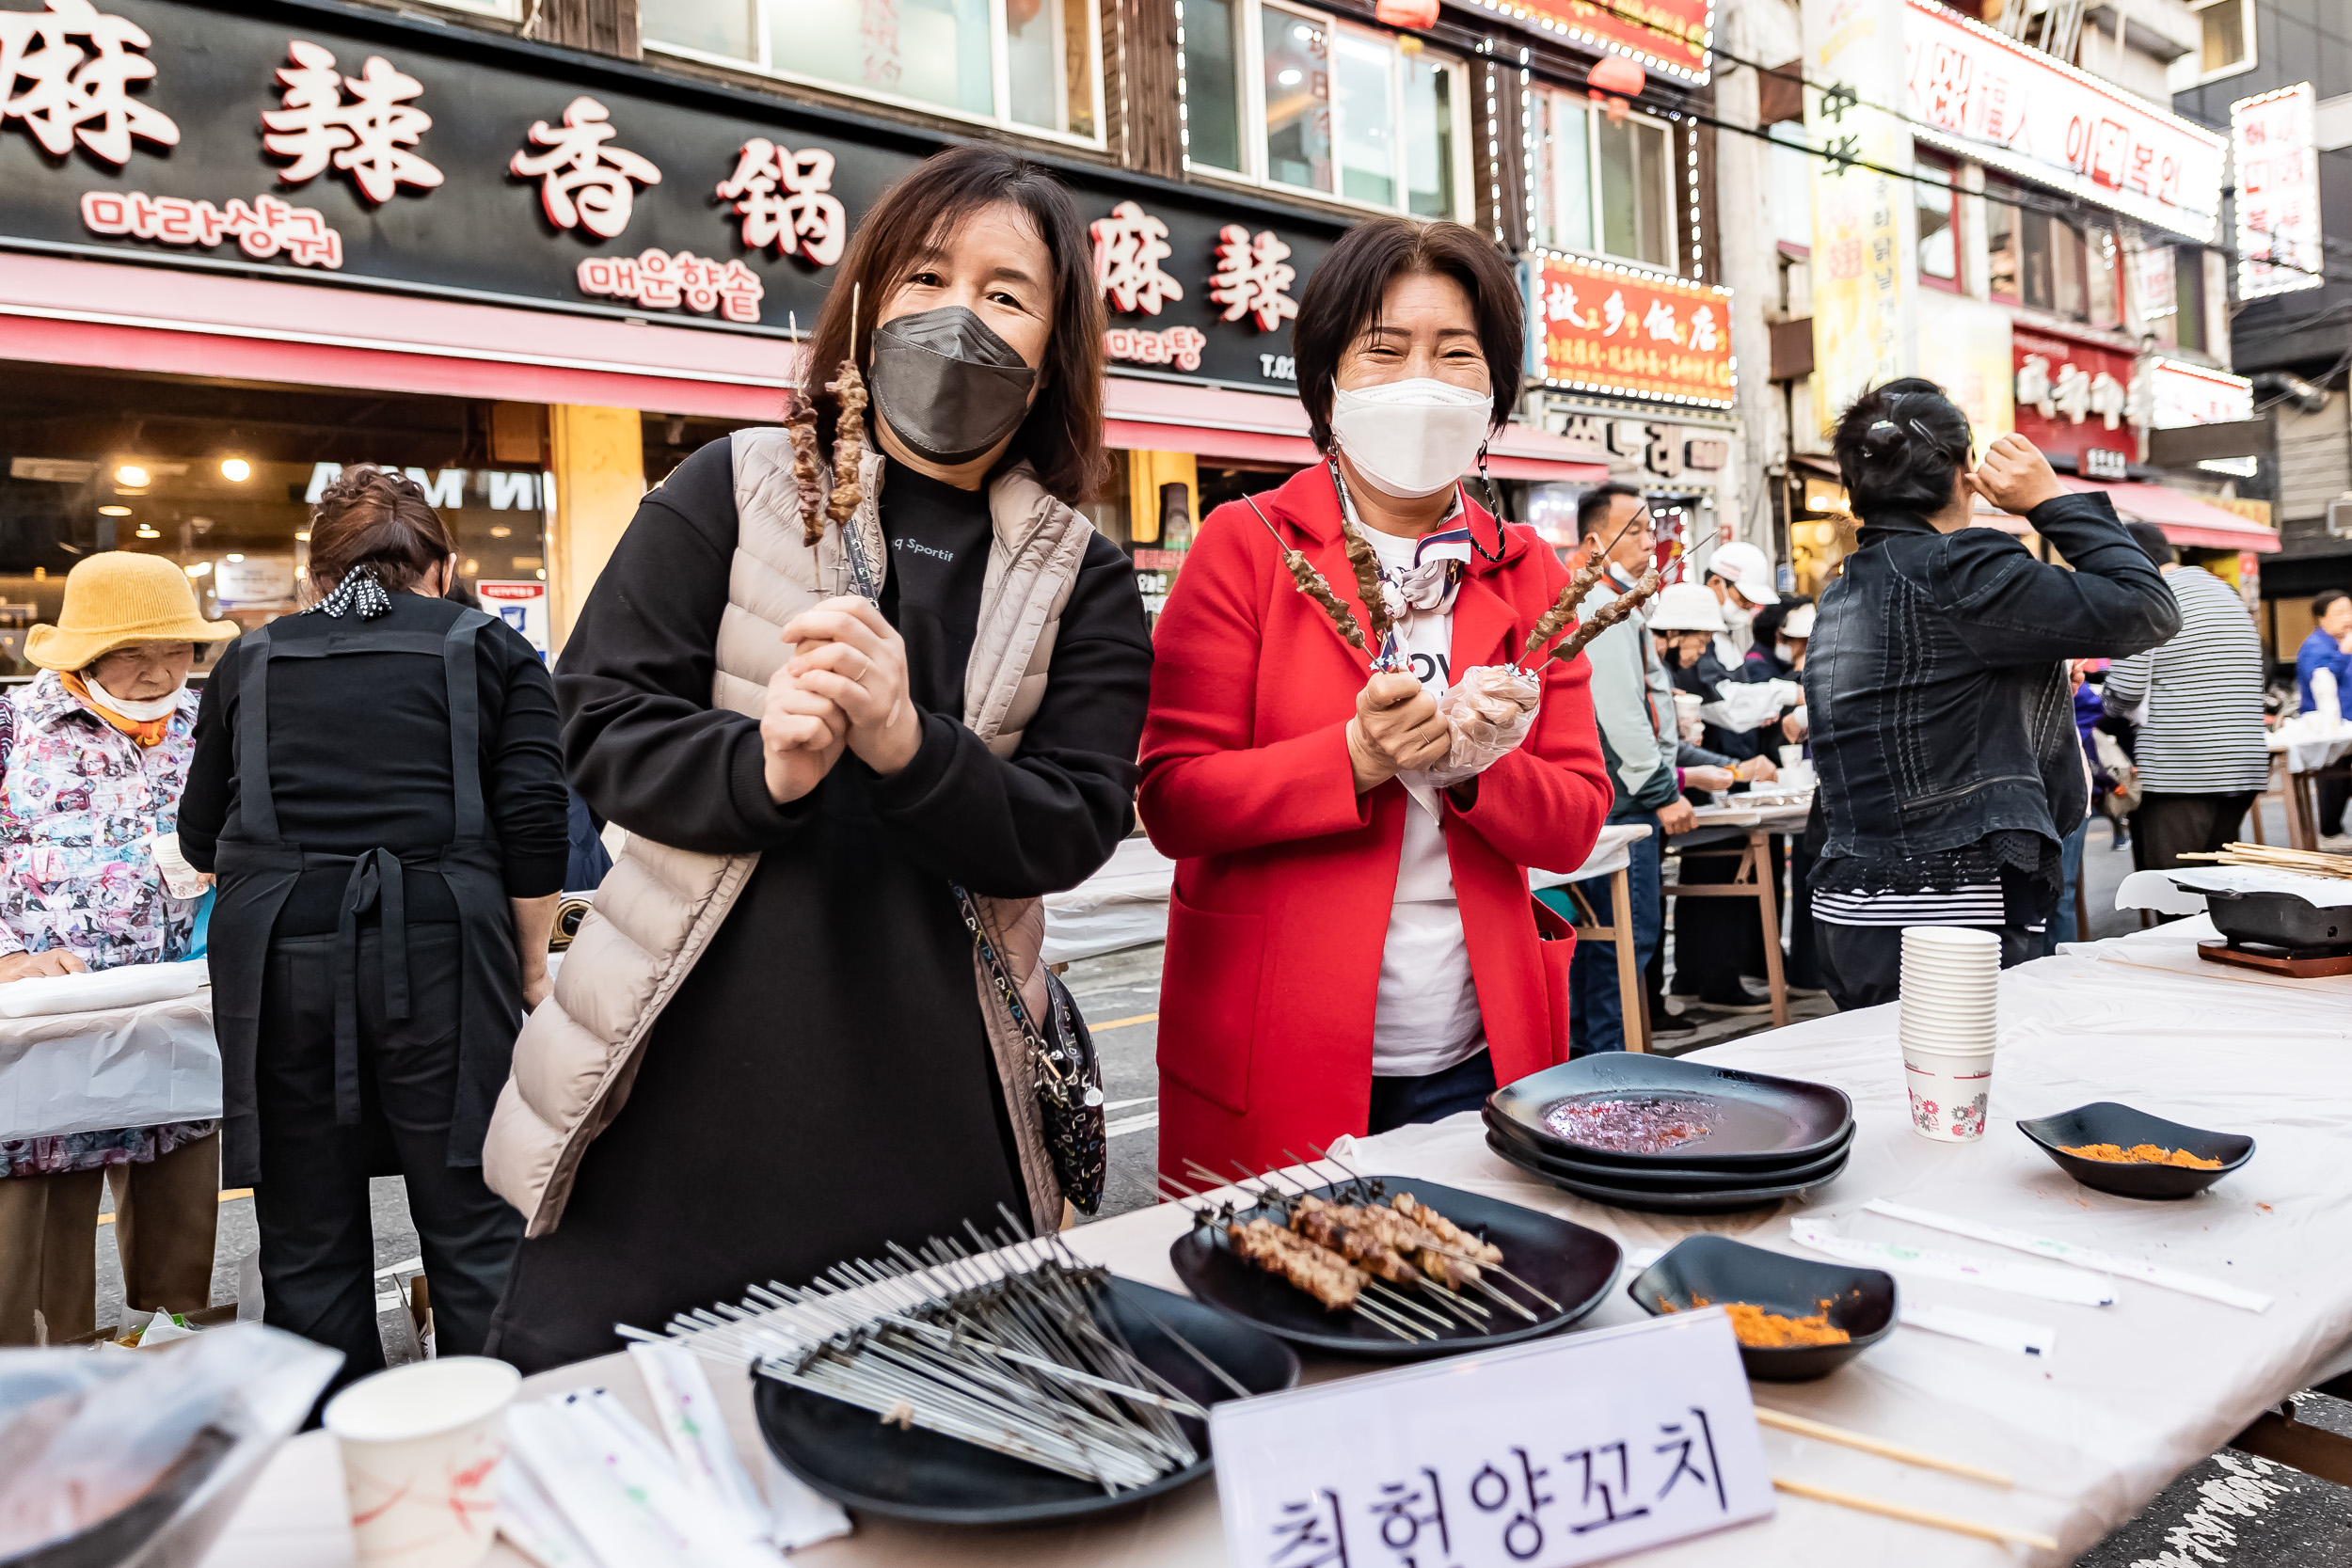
(2130, 1153)
(1797, 1319)
(1639, 1112)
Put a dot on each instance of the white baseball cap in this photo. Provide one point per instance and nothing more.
(1799, 624)
(1746, 568)
(1685, 607)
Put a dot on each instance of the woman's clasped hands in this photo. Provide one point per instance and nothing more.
(845, 687)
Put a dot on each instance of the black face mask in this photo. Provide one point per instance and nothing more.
(950, 388)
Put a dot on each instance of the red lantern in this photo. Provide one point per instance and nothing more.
(1617, 74)
(1418, 14)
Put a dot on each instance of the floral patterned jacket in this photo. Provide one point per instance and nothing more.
(80, 805)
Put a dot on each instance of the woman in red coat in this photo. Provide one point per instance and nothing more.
(1351, 946)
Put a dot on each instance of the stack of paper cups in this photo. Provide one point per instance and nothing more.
(1950, 1027)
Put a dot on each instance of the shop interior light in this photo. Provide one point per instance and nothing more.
(502, 532)
(114, 511)
(131, 474)
(147, 532)
(235, 469)
(201, 569)
(241, 557)
(303, 537)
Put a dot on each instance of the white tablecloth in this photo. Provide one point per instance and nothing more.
(123, 1066)
(2134, 1394)
(2309, 745)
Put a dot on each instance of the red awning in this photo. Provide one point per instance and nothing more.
(2186, 519)
(123, 316)
(1265, 427)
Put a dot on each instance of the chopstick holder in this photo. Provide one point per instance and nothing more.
(2023, 1279)
(2081, 1257)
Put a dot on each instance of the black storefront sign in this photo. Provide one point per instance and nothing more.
(324, 143)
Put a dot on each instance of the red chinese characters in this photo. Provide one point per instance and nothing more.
(370, 135)
(266, 228)
(1606, 327)
(666, 280)
(1128, 248)
(1253, 278)
(66, 74)
(583, 183)
(785, 199)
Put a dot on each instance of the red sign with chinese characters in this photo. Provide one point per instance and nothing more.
(2073, 396)
(1602, 328)
(1669, 35)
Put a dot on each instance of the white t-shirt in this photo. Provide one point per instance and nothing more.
(1426, 1019)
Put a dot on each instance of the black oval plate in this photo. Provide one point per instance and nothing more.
(1724, 1200)
(874, 1467)
(1573, 1265)
(1678, 1178)
(1764, 1122)
(1721, 1271)
(2105, 1122)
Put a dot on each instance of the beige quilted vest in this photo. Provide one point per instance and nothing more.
(659, 907)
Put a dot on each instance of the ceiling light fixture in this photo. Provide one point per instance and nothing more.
(145, 532)
(201, 569)
(131, 474)
(236, 469)
(114, 511)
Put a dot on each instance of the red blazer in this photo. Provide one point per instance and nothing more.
(1285, 875)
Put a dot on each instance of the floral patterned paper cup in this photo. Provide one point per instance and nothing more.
(422, 1447)
(1949, 1090)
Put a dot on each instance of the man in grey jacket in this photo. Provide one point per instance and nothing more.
(1633, 707)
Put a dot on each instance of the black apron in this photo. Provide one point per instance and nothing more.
(257, 870)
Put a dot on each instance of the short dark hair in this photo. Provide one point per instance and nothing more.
(1341, 301)
(1898, 448)
(1062, 436)
(372, 516)
(2149, 537)
(2326, 600)
(1591, 507)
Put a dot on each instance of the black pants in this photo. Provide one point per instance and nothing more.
(1719, 940)
(1404, 1102)
(318, 1253)
(2334, 788)
(2166, 827)
(1863, 965)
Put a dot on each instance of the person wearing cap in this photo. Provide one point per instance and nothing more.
(93, 756)
(1741, 578)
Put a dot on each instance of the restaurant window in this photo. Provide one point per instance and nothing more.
(1361, 115)
(1602, 187)
(2102, 293)
(1031, 64)
(2225, 38)
(2001, 247)
(2188, 296)
(2041, 260)
(1939, 226)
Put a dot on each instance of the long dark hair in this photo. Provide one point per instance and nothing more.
(372, 516)
(1898, 448)
(1062, 436)
(1341, 301)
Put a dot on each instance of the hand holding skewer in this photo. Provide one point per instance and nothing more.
(1397, 727)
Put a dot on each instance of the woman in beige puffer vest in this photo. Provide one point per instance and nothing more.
(768, 1051)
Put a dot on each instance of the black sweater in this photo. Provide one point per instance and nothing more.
(359, 760)
(821, 1083)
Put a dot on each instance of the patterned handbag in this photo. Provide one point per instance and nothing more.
(1067, 1068)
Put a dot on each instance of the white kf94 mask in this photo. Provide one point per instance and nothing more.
(1411, 438)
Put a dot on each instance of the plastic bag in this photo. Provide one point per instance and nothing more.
(102, 1458)
(1491, 709)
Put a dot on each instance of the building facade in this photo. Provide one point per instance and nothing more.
(536, 251)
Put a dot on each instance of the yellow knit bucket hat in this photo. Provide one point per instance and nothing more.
(116, 599)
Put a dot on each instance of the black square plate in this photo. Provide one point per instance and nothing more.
(1720, 1270)
(1676, 1179)
(1724, 1200)
(2105, 1122)
(1571, 1264)
(908, 1473)
(1755, 1122)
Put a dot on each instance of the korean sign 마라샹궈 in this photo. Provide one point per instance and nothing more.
(1990, 98)
(1603, 327)
(233, 135)
(1555, 1453)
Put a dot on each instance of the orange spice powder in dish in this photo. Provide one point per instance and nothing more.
(1761, 1329)
(2143, 1154)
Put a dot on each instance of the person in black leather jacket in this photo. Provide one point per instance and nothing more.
(1941, 721)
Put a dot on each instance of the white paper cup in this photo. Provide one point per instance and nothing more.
(1950, 938)
(1790, 757)
(1949, 1091)
(421, 1449)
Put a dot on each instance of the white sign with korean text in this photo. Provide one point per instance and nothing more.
(2272, 140)
(520, 604)
(1543, 1455)
(1983, 96)
(253, 581)
(2186, 394)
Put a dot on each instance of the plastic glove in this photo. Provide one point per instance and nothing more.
(1491, 709)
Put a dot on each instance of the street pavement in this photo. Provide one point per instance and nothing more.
(2233, 1510)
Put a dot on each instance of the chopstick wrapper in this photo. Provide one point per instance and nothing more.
(2023, 1279)
(2081, 1257)
(793, 1516)
(1982, 1328)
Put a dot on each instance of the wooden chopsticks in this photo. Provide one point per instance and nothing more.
(1781, 1420)
(2310, 863)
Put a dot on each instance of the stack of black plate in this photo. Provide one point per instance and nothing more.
(1641, 1132)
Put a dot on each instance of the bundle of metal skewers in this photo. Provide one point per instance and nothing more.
(1355, 1246)
(1002, 1347)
